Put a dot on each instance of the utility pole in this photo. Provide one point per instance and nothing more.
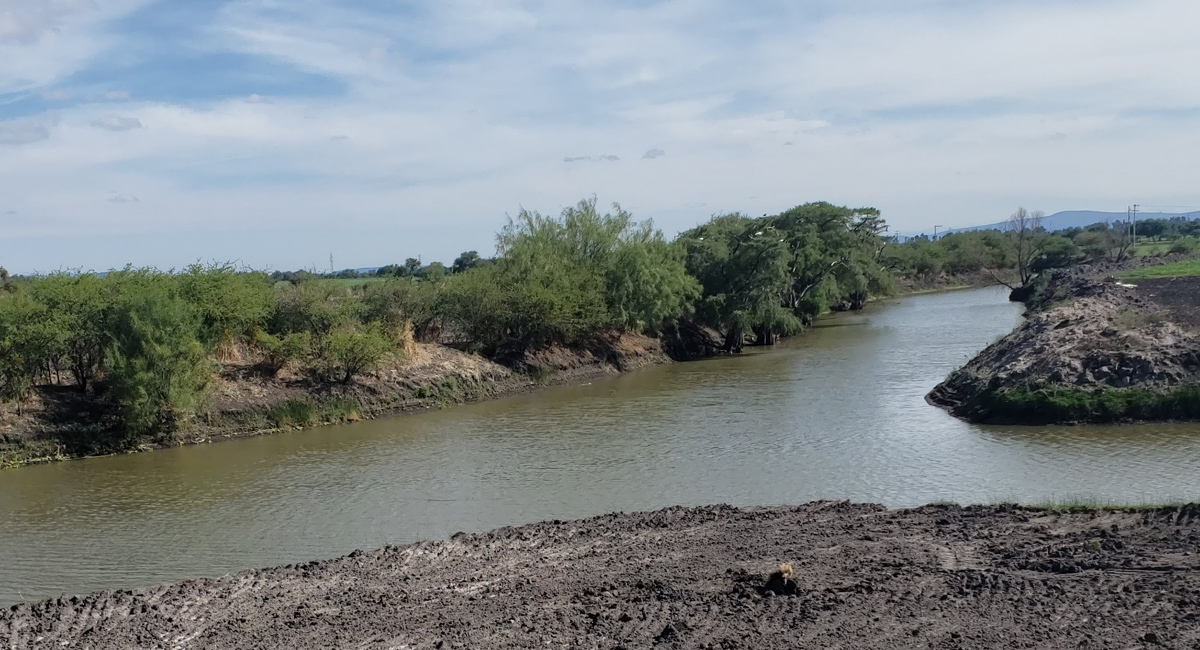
(1135, 209)
(935, 229)
(331, 264)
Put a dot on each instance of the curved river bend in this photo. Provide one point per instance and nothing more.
(837, 413)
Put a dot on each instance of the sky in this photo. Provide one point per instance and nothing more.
(280, 133)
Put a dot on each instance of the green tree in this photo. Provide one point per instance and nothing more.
(231, 304)
(28, 340)
(352, 351)
(80, 304)
(434, 272)
(157, 370)
(742, 266)
(643, 279)
(280, 351)
(467, 261)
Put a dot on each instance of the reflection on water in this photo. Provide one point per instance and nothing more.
(836, 413)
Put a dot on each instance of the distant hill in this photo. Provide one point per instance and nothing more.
(1082, 218)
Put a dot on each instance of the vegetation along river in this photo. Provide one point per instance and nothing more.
(837, 413)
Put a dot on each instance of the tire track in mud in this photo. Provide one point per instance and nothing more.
(937, 576)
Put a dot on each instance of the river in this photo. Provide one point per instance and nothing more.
(837, 413)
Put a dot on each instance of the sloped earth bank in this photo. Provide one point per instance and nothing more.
(864, 577)
(1090, 349)
(60, 423)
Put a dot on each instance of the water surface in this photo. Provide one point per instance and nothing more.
(838, 413)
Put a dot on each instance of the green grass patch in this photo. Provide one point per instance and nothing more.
(1049, 405)
(1186, 268)
(341, 409)
(307, 412)
(293, 413)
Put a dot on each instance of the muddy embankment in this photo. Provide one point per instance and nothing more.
(862, 576)
(1092, 348)
(245, 400)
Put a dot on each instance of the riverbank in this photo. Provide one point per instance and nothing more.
(61, 424)
(1094, 348)
(860, 576)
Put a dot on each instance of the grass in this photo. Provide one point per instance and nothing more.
(357, 282)
(306, 412)
(293, 413)
(1186, 268)
(1059, 404)
(1091, 504)
(1146, 249)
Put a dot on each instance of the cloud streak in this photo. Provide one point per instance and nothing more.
(113, 122)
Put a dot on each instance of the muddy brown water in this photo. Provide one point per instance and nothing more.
(837, 413)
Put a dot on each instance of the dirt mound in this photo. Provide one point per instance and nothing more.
(1081, 334)
(865, 577)
(1179, 296)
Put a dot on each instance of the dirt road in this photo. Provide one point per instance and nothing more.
(866, 577)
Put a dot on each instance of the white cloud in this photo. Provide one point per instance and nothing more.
(113, 122)
(116, 95)
(25, 21)
(44, 41)
(932, 111)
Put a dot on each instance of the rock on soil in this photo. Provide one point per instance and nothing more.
(865, 577)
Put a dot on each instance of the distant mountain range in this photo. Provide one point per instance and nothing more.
(1080, 219)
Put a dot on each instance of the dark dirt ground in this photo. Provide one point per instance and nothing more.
(866, 577)
(1179, 296)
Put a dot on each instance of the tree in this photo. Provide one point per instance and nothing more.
(157, 370)
(80, 305)
(280, 351)
(467, 261)
(643, 280)
(434, 272)
(27, 341)
(413, 266)
(1026, 238)
(743, 269)
(1057, 252)
(352, 351)
(231, 304)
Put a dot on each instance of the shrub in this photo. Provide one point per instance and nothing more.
(80, 305)
(1185, 245)
(231, 304)
(27, 340)
(1061, 404)
(399, 304)
(314, 306)
(280, 351)
(350, 351)
(157, 369)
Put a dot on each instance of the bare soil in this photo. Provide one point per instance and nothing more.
(864, 577)
(1179, 296)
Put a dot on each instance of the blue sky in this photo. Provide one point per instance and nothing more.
(277, 133)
